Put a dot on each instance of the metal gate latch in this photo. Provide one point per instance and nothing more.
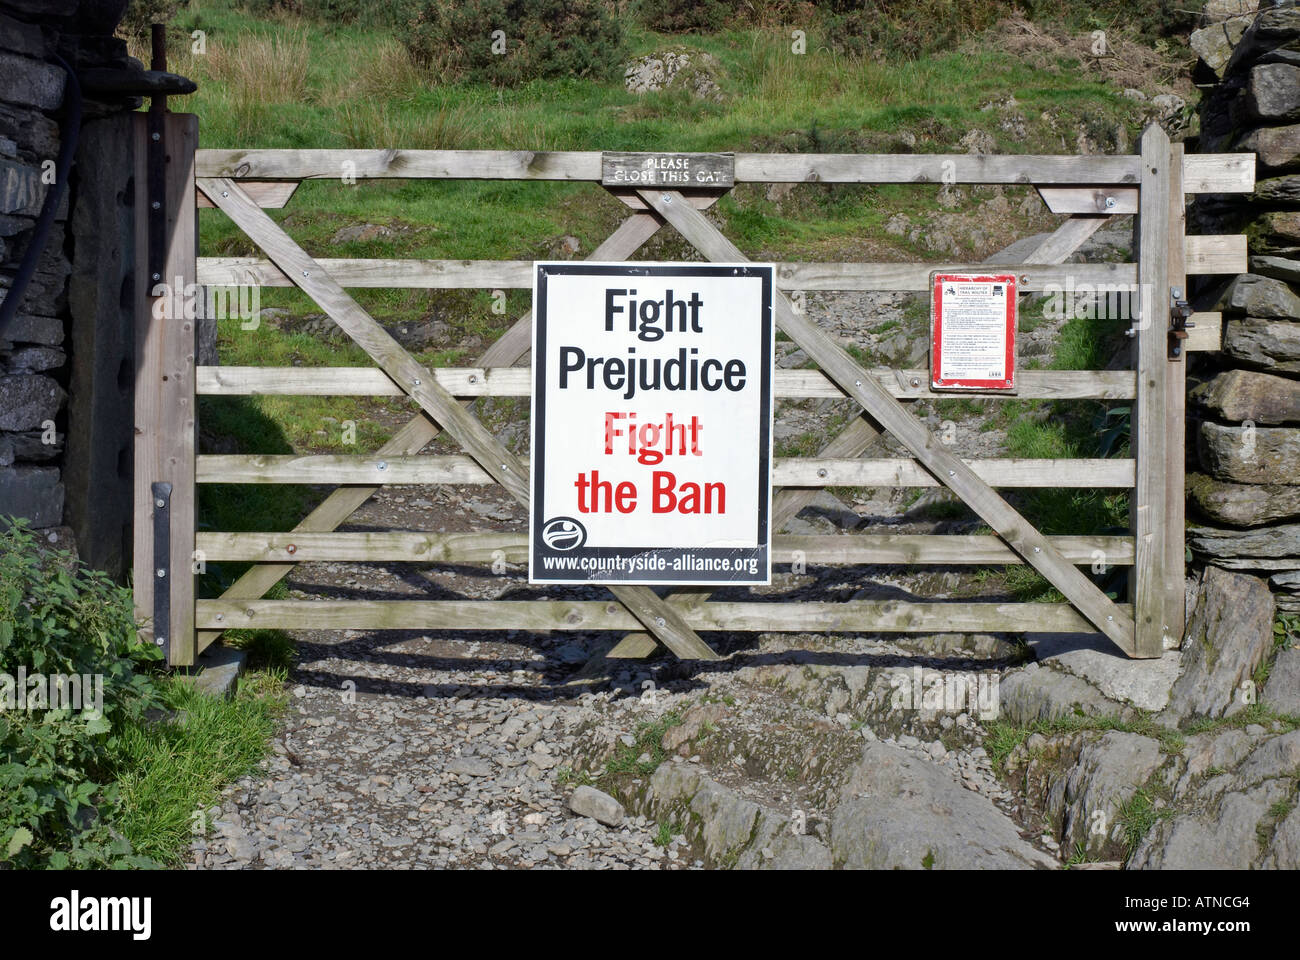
(1179, 323)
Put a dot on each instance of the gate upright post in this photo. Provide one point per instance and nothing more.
(1150, 434)
(166, 304)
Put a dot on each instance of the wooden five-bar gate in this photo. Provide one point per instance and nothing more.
(1088, 190)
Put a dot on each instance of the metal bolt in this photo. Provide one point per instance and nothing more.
(1024, 278)
(473, 378)
(160, 640)
(857, 383)
(1110, 202)
(916, 381)
(291, 548)
(225, 193)
(156, 205)
(415, 382)
(1038, 549)
(160, 504)
(381, 465)
(952, 473)
(504, 467)
(220, 617)
(668, 198)
(155, 136)
(660, 621)
(160, 573)
(821, 472)
(306, 274)
(1110, 618)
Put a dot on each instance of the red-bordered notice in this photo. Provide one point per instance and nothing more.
(973, 332)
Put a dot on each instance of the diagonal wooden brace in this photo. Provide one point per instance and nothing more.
(948, 469)
(421, 386)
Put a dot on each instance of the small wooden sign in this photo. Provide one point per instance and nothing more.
(973, 332)
(677, 170)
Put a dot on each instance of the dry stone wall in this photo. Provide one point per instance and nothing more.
(1244, 490)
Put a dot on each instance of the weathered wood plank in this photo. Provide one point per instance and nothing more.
(934, 168)
(517, 382)
(546, 615)
(1203, 173)
(1218, 172)
(268, 194)
(1107, 200)
(887, 411)
(164, 394)
(517, 274)
(1151, 442)
(1209, 254)
(488, 547)
(786, 471)
(372, 164)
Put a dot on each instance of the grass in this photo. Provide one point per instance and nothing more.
(649, 737)
(171, 772)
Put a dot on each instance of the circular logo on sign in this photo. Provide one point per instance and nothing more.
(563, 533)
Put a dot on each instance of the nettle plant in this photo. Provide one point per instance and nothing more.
(56, 764)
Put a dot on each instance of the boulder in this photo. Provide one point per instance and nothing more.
(1229, 633)
(1109, 771)
(1278, 191)
(1276, 149)
(1260, 297)
(1279, 541)
(1243, 504)
(1266, 344)
(1279, 268)
(1214, 43)
(1228, 841)
(693, 70)
(32, 492)
(1274, 92)
(590, 802)
(27, 400)
(1247, 395)
(1276, 232)
(1249, 454)
(900, 811)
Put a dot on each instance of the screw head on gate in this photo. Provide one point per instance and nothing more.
(157, 276)
(1038, 549)
(473, 378)
(415, 382)
(291, 548)
(660, 621)
(225, 193)
(155, 136)
(821, 472)
(160, 573)
(668, 198)
(1110, 202)
(916, 381)
(952, 473)
(160, 640)
(156, 205)
(857, 383)
(160, 503)
(220, 617)
(381, 465)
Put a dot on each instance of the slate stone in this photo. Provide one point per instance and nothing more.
(1247, 395)
(1248, 454)
(1229, 633)
(1243, 504)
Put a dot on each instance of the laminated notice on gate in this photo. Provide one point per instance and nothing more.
(652, 423)
(973, 332)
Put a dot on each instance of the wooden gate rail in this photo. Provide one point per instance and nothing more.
(1088, 189)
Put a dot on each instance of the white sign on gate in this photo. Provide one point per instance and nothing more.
(652, 423)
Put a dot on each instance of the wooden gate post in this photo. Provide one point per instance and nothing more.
(1151, 440)
(164, 389)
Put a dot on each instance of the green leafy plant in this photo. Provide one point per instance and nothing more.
(58, 617)
(508, 42)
